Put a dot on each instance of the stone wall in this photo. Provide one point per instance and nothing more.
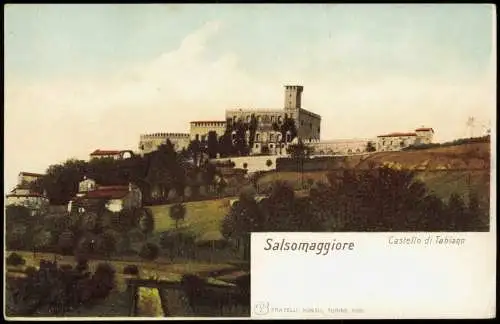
(253, 163)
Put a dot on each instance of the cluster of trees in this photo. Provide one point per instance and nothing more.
(157, 174)
(234, 141)
(380, 199)
(58, 289)
(94, 233)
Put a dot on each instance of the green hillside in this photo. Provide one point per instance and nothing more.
(203, 218)
(455, 169)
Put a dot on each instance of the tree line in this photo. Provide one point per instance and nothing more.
(377, 200)
(157, 174)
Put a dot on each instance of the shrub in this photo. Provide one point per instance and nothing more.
(31, 271)
(82, 265)
(243, 283)
(149, 251)
(15, 259)
(103, 280)
(131, 269)
(65, 267)
(193, 286)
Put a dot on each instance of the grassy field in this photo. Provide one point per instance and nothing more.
(203, 218)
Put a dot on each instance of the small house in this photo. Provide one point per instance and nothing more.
(114, 198)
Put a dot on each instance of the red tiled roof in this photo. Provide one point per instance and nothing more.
(33, 194)
(30, 174)
(398, 134)
(424, 129)
(105, 152)
(106, 194)
(119, 187)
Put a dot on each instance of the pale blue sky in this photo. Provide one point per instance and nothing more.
(84, 77)
(43, 40)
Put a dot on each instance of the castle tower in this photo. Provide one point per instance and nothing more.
(293, 97)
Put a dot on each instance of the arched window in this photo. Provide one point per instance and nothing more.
(271, 137)
(249, 118)
(257, 137)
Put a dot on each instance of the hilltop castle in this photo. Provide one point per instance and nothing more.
(267, 138)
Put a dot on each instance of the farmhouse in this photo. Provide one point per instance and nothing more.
(398, 141)
(23, 195)
(114, 154)
(113, 198)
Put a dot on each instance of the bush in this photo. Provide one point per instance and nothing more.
(192, 284)
(243, 283)
(65, 267)
(31, 271)
(103, 280)
(15, 259)
(149, 251)
(82, 264)
(131, 269)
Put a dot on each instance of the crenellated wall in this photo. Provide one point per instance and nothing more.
(150, 142)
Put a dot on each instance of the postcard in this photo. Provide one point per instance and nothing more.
(253, 161)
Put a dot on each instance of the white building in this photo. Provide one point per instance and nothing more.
(114, 154)
(115, 198)
(398, 141)
(23, 195)
(340, 147)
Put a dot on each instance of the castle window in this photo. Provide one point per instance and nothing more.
(257, 137)
(301, 123)
(272, 119)
(271, 137)
(318, 129)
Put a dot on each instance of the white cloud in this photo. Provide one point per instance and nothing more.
(50, 121)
